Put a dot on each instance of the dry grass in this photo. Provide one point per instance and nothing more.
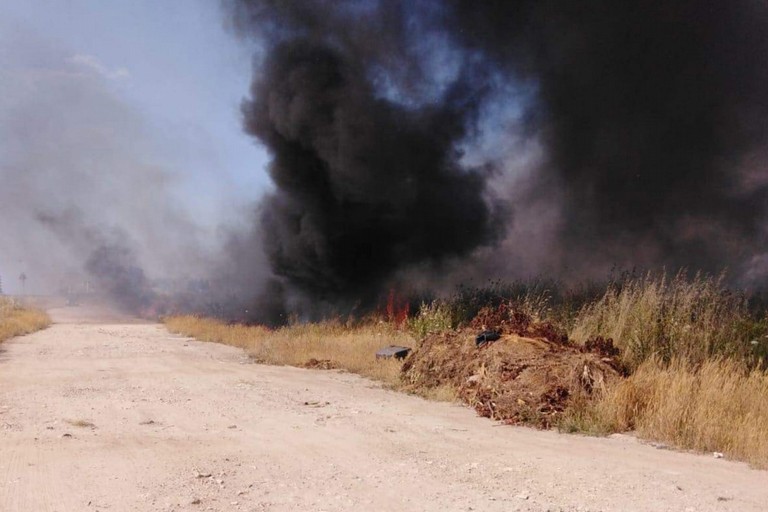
(16, 320)
(350, 347)
(679, 318)
(717, 407)
(432, 318)
(445, 392)
(695, 354)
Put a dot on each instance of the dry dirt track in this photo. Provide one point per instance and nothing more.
(168, 412)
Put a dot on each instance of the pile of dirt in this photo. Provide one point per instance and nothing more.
(509, 318)
(529, 375)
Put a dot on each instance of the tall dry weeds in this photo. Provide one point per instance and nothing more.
(17, 320)
(349, 347)
(719, 406)
(691, 319)
(432, 317)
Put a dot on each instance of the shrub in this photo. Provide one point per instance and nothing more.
(432, 317)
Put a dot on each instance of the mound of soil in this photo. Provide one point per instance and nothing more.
(508, 318)
(517, 379)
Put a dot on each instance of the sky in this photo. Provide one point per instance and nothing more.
(176, 62)
(171, 67)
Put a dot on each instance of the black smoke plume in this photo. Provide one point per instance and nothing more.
(654, 116)
(651, 119)
(365, 184)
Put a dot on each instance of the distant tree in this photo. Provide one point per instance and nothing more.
(23, 279)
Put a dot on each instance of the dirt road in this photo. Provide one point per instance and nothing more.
(126, 417)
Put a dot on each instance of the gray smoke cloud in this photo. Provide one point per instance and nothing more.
(84, 199)
(438, 141)
(367, 183)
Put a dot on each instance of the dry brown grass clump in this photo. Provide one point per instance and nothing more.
(329, 344)
(696, 355)
(719, 406)
(16, 320)
(693, 319)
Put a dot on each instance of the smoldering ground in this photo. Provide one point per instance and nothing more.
(468, 139)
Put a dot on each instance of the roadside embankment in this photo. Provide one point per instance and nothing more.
(679, 360)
